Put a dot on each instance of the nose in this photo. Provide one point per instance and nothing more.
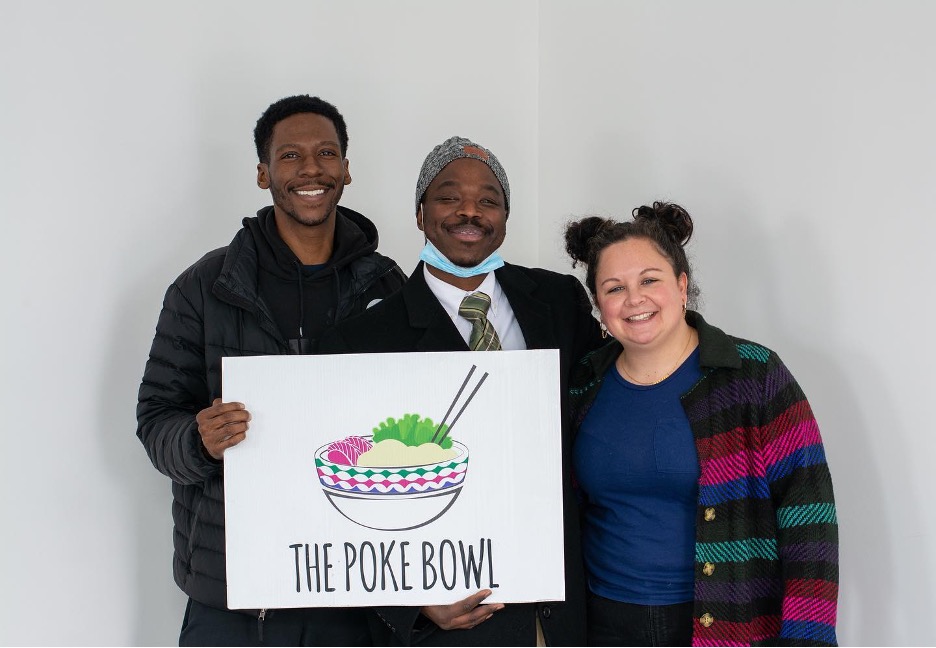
(468, 207)
(634, 296)
(311, 166)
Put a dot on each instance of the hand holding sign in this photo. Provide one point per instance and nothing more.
(464, 614)
(221, 426)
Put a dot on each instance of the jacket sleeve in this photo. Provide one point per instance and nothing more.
(174, 389)
(807, 528)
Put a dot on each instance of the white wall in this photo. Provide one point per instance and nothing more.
(800, 136)
(128, 153)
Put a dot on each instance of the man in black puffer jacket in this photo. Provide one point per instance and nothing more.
(291, 272)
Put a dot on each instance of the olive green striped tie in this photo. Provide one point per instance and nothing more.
(474, 308)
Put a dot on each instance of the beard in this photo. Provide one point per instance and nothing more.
(284, 203)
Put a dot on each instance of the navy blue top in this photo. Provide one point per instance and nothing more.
(636, 460)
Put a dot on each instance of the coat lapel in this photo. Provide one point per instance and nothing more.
(534, 316)
(432, 325)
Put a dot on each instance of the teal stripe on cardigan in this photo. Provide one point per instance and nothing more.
(737, 551)
(819, 513)
(753, 352)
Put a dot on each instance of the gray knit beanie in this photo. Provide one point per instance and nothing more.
(452, 149)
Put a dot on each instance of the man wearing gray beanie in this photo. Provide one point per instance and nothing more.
(462, 296)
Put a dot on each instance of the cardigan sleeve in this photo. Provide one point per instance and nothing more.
(801, 490)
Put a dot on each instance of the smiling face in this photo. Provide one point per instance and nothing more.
(463, 214)
(306, 173)
(639, 295)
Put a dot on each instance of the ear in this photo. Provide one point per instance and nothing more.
(683, 283)
(263, 176)
(347, 173)
(419, 218)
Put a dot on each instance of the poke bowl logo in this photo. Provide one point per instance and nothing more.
(404, 475)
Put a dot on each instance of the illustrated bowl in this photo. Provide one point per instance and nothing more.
(392, 498)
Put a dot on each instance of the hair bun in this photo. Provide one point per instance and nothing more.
(579, 233)
(672, 218)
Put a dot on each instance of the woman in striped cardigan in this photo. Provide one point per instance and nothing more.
(709, 515)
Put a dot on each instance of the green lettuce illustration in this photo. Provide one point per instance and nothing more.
(411, 430)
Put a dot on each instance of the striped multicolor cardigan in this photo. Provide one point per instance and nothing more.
(766, 567)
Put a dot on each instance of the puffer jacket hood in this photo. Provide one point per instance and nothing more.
(355, 236)
(294, 294)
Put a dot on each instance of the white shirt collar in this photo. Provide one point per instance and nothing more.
(500, 314)
(451, 296)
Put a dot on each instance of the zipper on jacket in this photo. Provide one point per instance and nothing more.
(196, 515)
(260, 618)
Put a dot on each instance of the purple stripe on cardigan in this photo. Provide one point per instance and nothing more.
(756, 391)
(737, 592)
(809, 609)
(777, 380)
(735, 392)
(809, 552)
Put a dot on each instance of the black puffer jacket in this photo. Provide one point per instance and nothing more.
(213, 310)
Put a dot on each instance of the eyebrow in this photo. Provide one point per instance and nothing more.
(642, 272)
(316, 145)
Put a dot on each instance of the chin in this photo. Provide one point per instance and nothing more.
(312, 220)
(470, 261)
(466, 263)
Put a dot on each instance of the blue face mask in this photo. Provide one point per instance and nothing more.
(431, 256)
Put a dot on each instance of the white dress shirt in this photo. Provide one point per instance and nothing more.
(500, 314)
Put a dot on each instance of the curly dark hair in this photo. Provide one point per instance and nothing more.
(667, 225)
(289, 106)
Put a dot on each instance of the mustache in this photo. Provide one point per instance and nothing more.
(472, 221)
(327, 183)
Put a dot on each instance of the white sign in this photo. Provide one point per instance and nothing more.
(332, 501)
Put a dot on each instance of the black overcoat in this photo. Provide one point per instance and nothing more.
(553, 312)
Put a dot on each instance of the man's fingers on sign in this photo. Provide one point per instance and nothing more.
(464, 614)
(221, 426)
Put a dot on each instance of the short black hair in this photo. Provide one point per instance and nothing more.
(289, 106)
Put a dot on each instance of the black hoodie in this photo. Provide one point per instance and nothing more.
(302, 300)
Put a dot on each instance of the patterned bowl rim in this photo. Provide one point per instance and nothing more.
(461, 457)
(377, 496)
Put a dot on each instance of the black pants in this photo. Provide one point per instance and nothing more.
(208, 626)
(612, 623)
